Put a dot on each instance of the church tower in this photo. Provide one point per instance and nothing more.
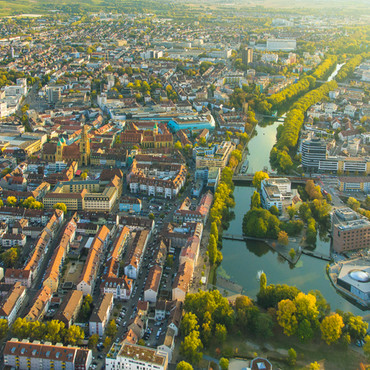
(59, 152)
(84, 148)
(155, 129)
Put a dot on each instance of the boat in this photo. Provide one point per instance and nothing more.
(259, 273)
(245, 166)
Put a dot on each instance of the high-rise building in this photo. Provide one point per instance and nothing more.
(313, 151)
(247, 56)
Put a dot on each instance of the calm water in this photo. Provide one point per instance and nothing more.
(242, 260)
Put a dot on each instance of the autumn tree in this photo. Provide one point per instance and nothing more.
(286, 316)
(11, 201)
(74, 334)
(189, 323)
(111, 329)
(191, 346)
(331, 328)
(60, 206)
(183, 365)
(93, 341)
(283, 238)
(224, 363)
(3, 328)
(312, 190)
(10, 257)
(258, 177)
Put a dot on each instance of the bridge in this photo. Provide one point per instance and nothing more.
(242, 237)
(316, 255)
(294, 179)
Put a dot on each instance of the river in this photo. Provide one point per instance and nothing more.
(242, 260)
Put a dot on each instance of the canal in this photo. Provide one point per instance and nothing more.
(242, 260)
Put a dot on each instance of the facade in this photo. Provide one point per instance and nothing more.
(350, 230)
(26, 355)
(40, 304)
(160, 180)
(354, 184)
(217, 156)
(85, 195)
(281, 44)
(200, 214)
(313, 151)
(87, 279)
(247, 56)
(12, 303)
(101, 314)
(274, 192)
(70, 308)
(151, 288)
(134, 357)
(354, 279)
(136, 253)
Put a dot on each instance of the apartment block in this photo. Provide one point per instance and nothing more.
(101, 314)
(350, 230)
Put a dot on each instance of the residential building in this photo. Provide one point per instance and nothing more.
(12, 303)
(87, 279)
(134, 357)
(151, 288)
(136, 253)
(281, 44)
(101, 314)
(160, 179)
(181, 284)
(247, 56)
(70, 308)
(40, 304)
(200, 214)
(25, 355)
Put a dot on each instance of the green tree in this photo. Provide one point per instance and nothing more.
(292, 253)
(258, 177)
(60, 206)
(151, 216)
(3, 328)
(291, 211)
(191, 346)
(366, 346)
(292, 357)
(331, 328)
(111, 329)
(212, 249)
(256, 200)
(93, 341)
(107, 342)
(183, 365)
(224, 363)
(263, 282)
(220, 333)
(10, 257)
(188, 323)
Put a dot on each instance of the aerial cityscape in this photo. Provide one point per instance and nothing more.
(185, 185)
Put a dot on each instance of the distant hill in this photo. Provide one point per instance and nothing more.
(17, 7)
